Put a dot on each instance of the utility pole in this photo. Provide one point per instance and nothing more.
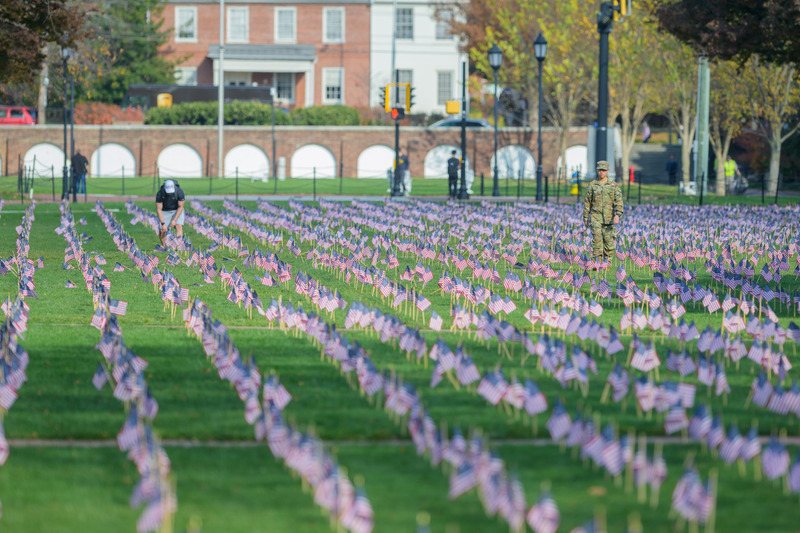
(221, 89)
(703, 89)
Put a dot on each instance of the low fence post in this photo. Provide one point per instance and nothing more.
(237, 184)
(763, 178)
(481, 183)
(558, 190)
(641, 176)
(777, 188)
(315, 184)
(546, 187)
(123, 181)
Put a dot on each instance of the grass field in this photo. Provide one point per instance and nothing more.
(227, 482)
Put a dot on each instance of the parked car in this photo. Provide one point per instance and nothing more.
(17, 116)
(456, 123)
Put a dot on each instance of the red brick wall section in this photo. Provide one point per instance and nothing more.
(146, 142)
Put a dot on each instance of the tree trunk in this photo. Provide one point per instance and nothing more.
(720, 143)
(627, 143)
(774, 165)
(41, 103)
(722, 184)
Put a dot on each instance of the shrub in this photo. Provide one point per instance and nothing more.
(332, 115)
(101, 113)
(205, 114)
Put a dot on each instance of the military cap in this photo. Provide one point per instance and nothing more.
(602, 165)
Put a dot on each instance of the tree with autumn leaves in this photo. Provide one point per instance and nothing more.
(653, 65)
(113, 43)
(26, 28)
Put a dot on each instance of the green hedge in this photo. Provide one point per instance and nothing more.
(331, 115)
(250, 114)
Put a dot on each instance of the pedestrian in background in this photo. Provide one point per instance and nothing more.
(405, 174)
(453, 165)
(79, 166)
(672, 169)
(602, 209)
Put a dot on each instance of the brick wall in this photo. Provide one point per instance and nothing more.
(146, 142)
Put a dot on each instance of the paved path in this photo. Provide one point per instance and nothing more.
(48, 199)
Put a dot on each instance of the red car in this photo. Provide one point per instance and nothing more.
(17, 116)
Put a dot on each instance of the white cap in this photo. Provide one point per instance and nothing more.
(169, 186)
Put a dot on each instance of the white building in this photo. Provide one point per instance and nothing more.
(426, 54)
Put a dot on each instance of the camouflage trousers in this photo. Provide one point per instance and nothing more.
(603, 240)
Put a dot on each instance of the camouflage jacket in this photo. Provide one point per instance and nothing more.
(601, 202)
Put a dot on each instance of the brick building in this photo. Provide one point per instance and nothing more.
(312, 52)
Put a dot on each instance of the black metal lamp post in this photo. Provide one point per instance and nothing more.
(495, 60)
(540, 51)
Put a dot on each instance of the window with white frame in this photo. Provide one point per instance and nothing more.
(238, 21)
(285, 24)
(444, 86)
(333, 24)
(284, 87)
(185, 24)
(185, 75)
(443, 25)
(404, 24)
(332, 86)
(405, 76)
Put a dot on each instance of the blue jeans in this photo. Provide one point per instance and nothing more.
(80, 183)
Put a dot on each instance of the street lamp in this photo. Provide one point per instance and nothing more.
(495, 60)
(540, 51)
(65, 55)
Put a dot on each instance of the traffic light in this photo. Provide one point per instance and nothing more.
(398, 113)
(623, 6)
(387, 97)
(409, 98)
(382, 96)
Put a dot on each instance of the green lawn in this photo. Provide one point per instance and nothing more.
(147, 186)
(244, 489)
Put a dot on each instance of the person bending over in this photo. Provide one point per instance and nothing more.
(169, 208)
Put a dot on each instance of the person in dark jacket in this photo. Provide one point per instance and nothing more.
(169, 208)
(79, 166)
(453, 165)
(672, 169)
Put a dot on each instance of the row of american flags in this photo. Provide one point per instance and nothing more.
(124, 371)
(311, 213)
(723, 387)
(14, 358)
(302, 452)
(480, 469)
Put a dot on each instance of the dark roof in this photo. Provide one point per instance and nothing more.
(286, 52)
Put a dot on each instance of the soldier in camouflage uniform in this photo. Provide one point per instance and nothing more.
(602, 208)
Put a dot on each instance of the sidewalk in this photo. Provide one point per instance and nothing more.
(91, 198)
